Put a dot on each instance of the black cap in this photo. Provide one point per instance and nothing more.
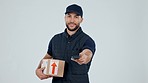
(74, 8)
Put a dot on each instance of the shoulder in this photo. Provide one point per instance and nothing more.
(89, 38)
(56, 37)
(59, 35)
(89, 44)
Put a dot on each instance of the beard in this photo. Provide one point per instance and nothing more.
(77, 26)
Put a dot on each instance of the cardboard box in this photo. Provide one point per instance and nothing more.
(53, 67)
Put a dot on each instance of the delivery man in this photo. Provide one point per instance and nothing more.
(73, 46)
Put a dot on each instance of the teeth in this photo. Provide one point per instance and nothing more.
(71, 24)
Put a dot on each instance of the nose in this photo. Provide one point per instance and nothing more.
(72, 19)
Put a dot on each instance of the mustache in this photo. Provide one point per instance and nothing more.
(72, 23)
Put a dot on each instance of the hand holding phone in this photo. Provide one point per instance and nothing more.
(75, 57)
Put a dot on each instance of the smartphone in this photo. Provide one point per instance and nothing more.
(75, 57)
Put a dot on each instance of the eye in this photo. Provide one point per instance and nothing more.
(76, 16)
(68, 16)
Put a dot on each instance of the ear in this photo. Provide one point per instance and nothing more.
(65, 17)
(81, 20)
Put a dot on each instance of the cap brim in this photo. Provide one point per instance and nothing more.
(71, 11)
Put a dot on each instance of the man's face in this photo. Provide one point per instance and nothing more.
(73, 21)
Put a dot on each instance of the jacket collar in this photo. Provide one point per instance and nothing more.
(74, 35)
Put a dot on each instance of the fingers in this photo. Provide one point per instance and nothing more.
(42, 69)
(81, 60)
(78, 61)
(41, 75)
(84, 59)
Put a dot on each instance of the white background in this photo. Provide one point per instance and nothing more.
(119, 28)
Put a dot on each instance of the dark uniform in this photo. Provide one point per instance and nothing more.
(62, 47)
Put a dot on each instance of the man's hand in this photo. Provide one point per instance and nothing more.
(41, 75)
(85, 57)
(39, 70)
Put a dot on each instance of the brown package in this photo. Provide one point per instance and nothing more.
(53, 67)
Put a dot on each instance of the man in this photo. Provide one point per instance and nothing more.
(72, 42)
